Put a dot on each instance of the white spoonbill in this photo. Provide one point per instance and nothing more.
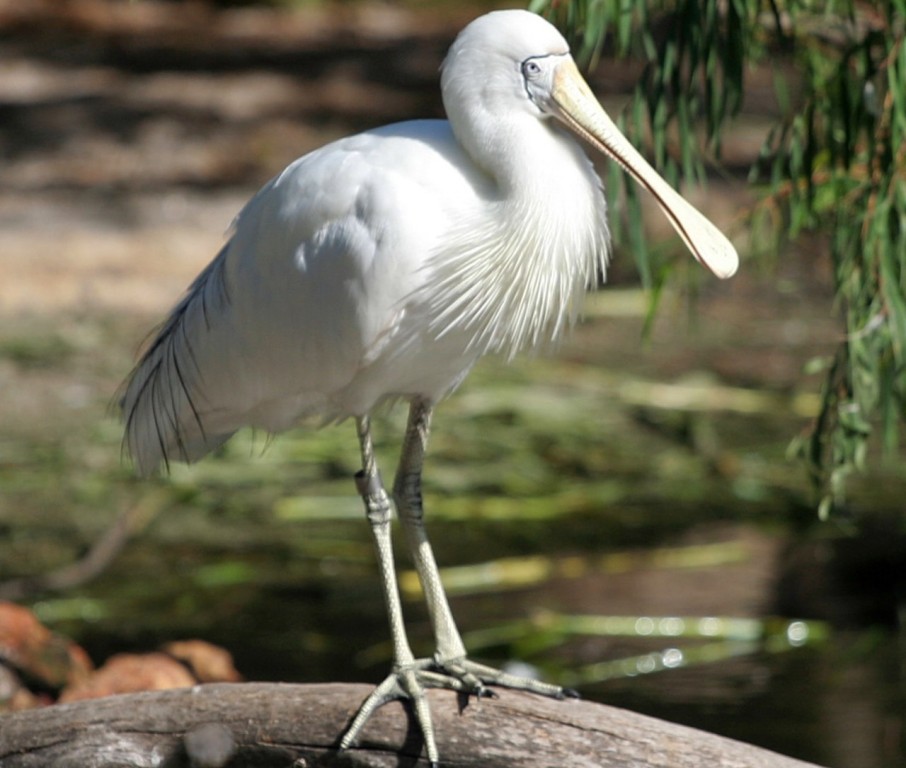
(381, 267)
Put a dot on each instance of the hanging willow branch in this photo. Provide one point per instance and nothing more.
(838, 167)
(834, 165)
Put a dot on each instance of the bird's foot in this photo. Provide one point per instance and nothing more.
(406, 681)
(410, 681)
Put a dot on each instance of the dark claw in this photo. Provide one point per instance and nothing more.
(487, 693)
(570, 693)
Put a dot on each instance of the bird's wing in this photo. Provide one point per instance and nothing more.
(308, 291)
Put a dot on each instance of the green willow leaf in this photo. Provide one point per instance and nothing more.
(834, 164)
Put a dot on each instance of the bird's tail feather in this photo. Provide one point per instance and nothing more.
(164, 403)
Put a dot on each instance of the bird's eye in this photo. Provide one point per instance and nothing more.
(531, 69)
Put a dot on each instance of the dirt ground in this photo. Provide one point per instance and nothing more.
(130, 140)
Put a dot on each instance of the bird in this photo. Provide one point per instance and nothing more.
(380, 268)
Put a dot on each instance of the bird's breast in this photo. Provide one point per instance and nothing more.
(511, 274)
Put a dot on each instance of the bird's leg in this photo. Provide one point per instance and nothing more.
(449, 668)
(406, 680)
(407, 493)
(379, 514)
(450, 658)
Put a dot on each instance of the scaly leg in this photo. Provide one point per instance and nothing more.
(450, 657)
(409, 676)
(449, 668)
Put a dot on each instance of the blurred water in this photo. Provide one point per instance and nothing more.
(837, 700)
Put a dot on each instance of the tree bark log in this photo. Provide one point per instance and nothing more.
(298, 726)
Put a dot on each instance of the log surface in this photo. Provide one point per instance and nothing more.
(273, 724)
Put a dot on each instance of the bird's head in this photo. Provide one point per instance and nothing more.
(515, 61)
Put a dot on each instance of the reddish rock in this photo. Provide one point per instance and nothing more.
(38, 654)
(209, 663)
(130, 673)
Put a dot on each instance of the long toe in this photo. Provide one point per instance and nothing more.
(409, 684)
(389, 690)
(470, 671)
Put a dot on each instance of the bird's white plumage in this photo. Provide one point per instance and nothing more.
(383, 265)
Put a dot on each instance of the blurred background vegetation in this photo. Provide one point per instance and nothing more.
(832, 166)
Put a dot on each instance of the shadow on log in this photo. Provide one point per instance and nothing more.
(271, 724)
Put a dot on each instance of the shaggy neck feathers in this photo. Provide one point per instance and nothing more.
(515, 278)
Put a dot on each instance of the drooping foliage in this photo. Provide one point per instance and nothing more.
(832, 167)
